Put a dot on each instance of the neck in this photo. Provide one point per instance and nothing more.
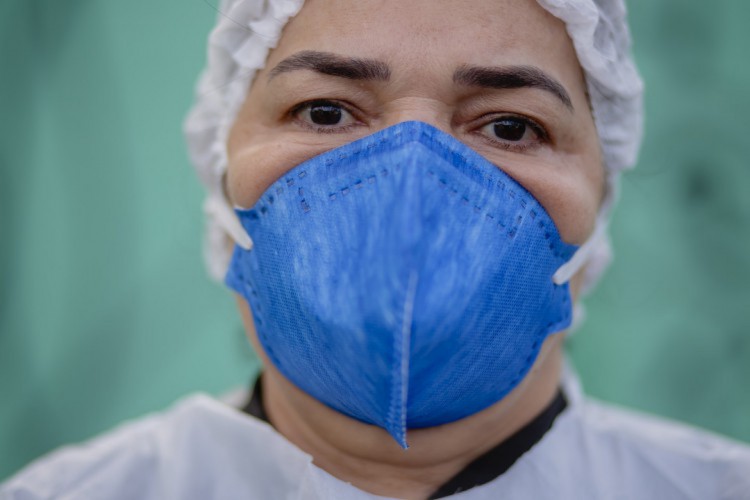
(369, 458)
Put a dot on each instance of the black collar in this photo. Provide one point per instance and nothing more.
(484, 469)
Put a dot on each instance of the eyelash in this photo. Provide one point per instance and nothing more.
(542, 137)
(541, 133)
(297, 109)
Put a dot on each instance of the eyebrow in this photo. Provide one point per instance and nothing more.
(331, 64)
(511, 77)
(354, 68)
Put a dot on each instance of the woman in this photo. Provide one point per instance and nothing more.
(421, 193)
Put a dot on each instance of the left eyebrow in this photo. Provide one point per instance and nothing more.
(511, 77)
(328, 63)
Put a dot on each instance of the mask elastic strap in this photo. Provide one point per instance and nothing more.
(220, 211)
(582, 255)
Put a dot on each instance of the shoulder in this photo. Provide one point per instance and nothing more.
(662, 436)
(639, 453)
(160, 456)
(74, 470)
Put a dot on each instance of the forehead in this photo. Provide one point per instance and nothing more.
(434, 33)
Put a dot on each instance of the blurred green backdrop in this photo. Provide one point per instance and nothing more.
(105, 309)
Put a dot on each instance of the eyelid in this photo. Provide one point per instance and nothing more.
(538, 129)
(479, 109)
(294, 114)
(297, 108)
(542, 136)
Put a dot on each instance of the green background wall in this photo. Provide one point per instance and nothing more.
(105, 310)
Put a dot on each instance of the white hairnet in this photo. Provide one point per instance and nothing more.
(248, 29)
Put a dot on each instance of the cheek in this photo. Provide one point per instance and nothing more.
(570, 192)
(260, 151)
(573, 206)
(573, 198)
(255, 167)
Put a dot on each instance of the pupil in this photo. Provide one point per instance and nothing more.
(510, 130)
(325, 114)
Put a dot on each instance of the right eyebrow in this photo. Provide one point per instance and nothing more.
(328, 63)
(511, 77)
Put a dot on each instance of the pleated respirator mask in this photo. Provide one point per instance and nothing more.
(402, 279)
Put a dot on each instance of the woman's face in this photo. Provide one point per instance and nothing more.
(499, 75)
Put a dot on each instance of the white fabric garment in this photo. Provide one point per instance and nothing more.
(246, 30)
(203, 449)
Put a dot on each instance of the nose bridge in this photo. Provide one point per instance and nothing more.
(420, 109)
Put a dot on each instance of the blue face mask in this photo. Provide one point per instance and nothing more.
(402, 279)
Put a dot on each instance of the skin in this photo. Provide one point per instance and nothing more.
(423, 42)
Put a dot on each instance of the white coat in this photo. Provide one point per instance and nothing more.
(204, 449)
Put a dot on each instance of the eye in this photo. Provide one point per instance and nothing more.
(513, 132)
(323, 115)
(509, 129)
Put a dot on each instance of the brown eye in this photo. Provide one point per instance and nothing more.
(509, 129)
(513, 132)
(326, 114)
(323, 115)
